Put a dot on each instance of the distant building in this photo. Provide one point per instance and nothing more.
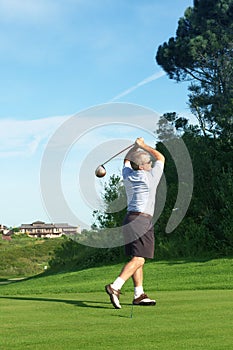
(39, 229)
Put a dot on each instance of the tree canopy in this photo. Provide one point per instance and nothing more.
(202, 52)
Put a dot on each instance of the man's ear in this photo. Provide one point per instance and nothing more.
(140, 167)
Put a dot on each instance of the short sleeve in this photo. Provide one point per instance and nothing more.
(157, 171)
(126, 171)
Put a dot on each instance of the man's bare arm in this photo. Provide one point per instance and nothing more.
(128, 155)
(153, 152)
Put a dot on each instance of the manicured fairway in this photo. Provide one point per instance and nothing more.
(182, 319)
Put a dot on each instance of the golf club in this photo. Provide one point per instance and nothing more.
(101, 171)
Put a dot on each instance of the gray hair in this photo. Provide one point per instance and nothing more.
(139, 158)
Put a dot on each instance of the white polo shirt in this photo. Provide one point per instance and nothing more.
(141, 186)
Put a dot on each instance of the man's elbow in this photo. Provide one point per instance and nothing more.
(161, 158)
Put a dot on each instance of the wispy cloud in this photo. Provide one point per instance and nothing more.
(141, 83)
(22, 138)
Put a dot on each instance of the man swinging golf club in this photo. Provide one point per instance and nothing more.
(140, 181)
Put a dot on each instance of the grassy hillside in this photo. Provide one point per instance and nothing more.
(164, 276)
(24, 256)
(71, 310)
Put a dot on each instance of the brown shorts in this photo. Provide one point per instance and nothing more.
(138, 232)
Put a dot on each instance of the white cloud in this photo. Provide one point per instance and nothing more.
(141, 83)
(22, 138)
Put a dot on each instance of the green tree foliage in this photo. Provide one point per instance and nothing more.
(207, 227)
(114, 197)
(73, 255)
(202, 52)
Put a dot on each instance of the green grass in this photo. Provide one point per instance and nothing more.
(71, 310)
(181, 320)
(24, 256)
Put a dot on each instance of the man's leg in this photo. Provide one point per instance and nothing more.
(138, 282)
(140, 298)
(128, 271)
(138, 277)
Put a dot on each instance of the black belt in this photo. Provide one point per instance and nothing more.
(139, 213)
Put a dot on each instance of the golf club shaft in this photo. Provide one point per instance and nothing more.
(118, 153)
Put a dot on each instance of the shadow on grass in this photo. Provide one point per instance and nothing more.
(78, 303)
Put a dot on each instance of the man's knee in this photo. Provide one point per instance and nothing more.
(139, 261)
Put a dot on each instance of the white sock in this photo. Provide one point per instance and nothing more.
(118, 283)
(138, 291)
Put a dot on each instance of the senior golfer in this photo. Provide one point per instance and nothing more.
(140, 181)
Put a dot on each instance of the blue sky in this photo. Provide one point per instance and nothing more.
(58, 58)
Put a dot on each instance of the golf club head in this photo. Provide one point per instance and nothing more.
(100, 171)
